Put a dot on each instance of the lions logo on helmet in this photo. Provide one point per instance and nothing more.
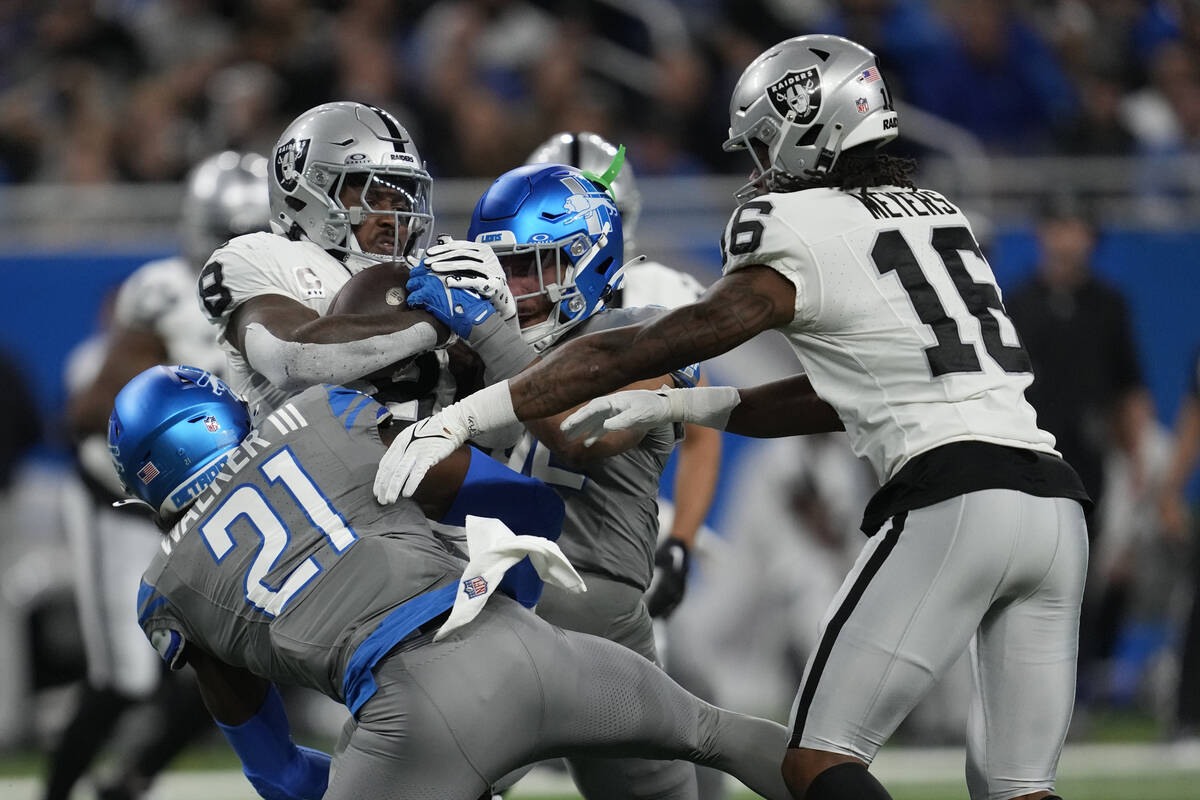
(592, 206)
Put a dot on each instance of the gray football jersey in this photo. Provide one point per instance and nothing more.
(611, 523)
(287, 566)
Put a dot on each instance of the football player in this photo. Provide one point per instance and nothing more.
(977, 536)
(278, 565)
(347, 189)
(154, 320)
(650, 283)
(557, 235)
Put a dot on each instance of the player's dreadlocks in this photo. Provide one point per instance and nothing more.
(855, 171)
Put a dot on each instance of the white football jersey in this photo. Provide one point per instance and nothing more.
(260, 264)
(898, 322)
(160, 296)
(649, 283)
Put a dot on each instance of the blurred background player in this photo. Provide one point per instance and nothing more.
(154, 319)
(558, 236)
(1180, 525)
(650, 283)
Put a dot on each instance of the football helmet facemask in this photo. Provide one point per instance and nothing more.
(801, 104)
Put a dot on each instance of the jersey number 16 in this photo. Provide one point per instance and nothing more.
(892, 253)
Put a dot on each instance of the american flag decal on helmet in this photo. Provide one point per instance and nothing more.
(148, 472)
(475, 586)
(869, 75)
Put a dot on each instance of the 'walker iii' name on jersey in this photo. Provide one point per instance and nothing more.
(896, 203)
(266, 571)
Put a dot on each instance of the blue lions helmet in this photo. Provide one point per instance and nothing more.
(554, 223)
(170, 432)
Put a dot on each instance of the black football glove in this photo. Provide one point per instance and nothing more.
(671, 562)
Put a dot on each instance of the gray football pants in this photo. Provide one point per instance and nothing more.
(998, 571)
(615, 611)
(451, 717)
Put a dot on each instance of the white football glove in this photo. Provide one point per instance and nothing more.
(709, 406)
(420, 446)
(414, 452)
(462, 264)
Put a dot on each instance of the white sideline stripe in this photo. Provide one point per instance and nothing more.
(898, 765)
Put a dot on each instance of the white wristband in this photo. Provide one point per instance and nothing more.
(487, 410)
(709, 406)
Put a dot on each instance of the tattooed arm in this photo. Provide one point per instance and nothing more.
(732, 311)
(735, 309)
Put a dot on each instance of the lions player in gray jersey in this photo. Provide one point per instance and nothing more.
(977, 538)
(279, 566)
(155, 320)
(650, 283)
(558, 237)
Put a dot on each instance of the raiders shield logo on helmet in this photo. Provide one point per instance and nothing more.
(289, 162)
(797, 95)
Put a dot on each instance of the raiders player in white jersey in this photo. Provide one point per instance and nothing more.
(977, 537)
(347, 189)
(154, 320)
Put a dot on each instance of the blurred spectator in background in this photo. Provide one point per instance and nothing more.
(1087, 387)
(996, 77)
(1179, 524)
(21, 431)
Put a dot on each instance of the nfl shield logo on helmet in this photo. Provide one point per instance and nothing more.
(211, 424)
(797, 95)
(474, 587)
(862, 105)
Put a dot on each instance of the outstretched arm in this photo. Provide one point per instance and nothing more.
(734, 310)
(786, 407)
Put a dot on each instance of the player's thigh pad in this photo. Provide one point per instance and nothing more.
(908, 609)
(1024, 658)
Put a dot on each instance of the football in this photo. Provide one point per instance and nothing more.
(378, 289)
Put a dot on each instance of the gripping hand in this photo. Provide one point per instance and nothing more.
(709, 406)
(636, 408)
(473, 266)
(671, 562)
(458, 309)
(415, 451)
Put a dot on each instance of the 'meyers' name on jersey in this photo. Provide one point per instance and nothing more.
(894, 204)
